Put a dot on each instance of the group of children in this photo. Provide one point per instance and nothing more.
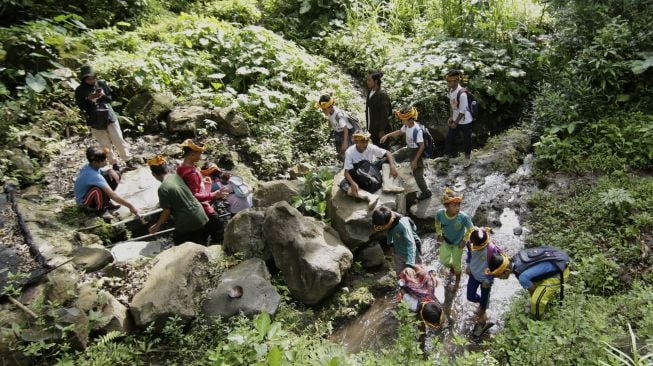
(455, 231)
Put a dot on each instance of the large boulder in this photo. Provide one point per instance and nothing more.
(115, 315)
(258, 294)
(187, 118)
(150, 108)
(173, 286)
(230, 121)
(92, 258)
(309, 253)
(244, 234)
(269, 193)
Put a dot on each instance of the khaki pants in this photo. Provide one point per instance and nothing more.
(112, 136)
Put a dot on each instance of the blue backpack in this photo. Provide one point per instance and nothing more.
(429, 145)
(472, 104)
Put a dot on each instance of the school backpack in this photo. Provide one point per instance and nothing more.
(526, 258)
(367, 176)
(240, 188)
(353, 121)
(429, 145)
(472, 104)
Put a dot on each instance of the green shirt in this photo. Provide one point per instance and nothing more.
(402, 236)
(453, 229)
(186, 209)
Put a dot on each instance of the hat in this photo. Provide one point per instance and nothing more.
(85, 72)
(191, 145)
(361, 135)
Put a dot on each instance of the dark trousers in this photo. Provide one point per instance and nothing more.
(337, 140)
(408, 153)
(96, 199)
(214, 228)
(196, 236)
(472, 292)
(452, 134)
(344, 184)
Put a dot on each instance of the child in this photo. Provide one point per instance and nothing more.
(479, 254)
(419, 293)
(414, 147)
(402, 234)
(454, 227)
(340, 123)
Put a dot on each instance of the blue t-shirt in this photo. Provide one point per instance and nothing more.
(88, 177)
(454, 229)
(526, 277)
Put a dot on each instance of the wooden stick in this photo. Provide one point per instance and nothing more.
(23, 307)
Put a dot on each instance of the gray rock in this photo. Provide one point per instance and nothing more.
(115, 315)
(244, 234)
(215, 252)
(92, 258)
(78, 319)
(309, 254)
(371, 256)
(269, 193)
(258, 293)
(126, 251)
(62, 284)
(173, 286)
(230, 122)
(151, 107)
(518, 230)
(187, 118)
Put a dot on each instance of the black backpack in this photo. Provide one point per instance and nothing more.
(367, 176)
(429, 145)
(472, 104)
(355, 123)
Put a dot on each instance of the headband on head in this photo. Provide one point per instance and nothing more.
(378, 228)
(452, 78)
(191, 145)
(499, 270)
(449, 197)
(157, 160)
(325, 105)
(361, 136)
(428, 323)
(484, 235)
(412, 113)
(212, 168)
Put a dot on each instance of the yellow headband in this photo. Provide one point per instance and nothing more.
(157, 160)
(191, 145)
(360, 136)
(412, 113)
(499, 269)
(452, 78)
(210, 170)
(486, 230)
(449, 197)
(428, 323)
(378, 228)
(325, 105)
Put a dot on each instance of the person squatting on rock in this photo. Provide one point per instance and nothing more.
(377, 108)
(358, 159)
(460, 117)
(341, 127)
(176, 199)
(189, 172)
(239, 193)
(414, 148)
(94, 186)
(419, 294)
(480, 249)
(540, 270)
(93, 97)
(453, 228)
(401, 233)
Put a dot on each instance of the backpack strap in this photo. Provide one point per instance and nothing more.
(462, 90)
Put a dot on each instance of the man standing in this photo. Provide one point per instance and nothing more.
(460, 117)
(177, 200)
(94, 187)
(377, 108)
(93, 97)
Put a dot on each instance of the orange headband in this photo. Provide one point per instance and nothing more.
(210, 170)
(428, 323)
(486, 231)
(191, 145)
(452, 78)
(412, 113)
(361, 136)
(325, 105)
(451, 197)
(378, 228)
(499, 269)
(157, 160)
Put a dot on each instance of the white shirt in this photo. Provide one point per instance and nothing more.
(410, 132)
(371, 154)
(338, 120)
(462, 108)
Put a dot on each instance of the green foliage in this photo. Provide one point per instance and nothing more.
(618, 201)
(617, 142)
(634, 358)
(237, 11)
(315, 190)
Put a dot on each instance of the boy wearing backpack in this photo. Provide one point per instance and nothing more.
(415, 146)
(460, 116)
(480, 249)
(342, 124)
